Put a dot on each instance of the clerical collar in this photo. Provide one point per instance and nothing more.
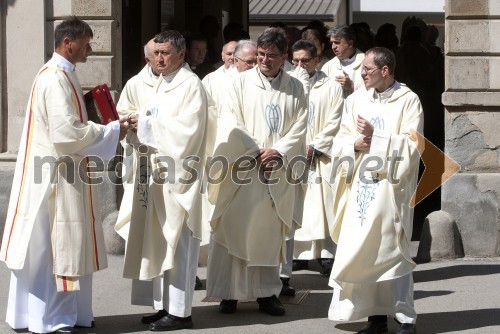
(386, 93)
(62, 62)
(270, 82)
(313, 79)
(169, 77)
(348, 61)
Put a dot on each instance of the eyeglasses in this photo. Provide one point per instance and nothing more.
(304, 61)
(248, 62)
(369, 70)
(271, 56)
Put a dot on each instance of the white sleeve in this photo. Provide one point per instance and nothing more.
(145, 132)
(105, 145)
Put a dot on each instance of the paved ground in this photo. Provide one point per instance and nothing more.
(459, 296)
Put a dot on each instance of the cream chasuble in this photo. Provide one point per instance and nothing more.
(134, 99)
(168, 181)
(373, 219)
(334, 68)
(251, 220)
(216, 84)
(55, 131)
(324, 115)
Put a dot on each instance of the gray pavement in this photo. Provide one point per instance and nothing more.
(459, 296)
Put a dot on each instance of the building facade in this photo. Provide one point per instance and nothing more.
(121, 27)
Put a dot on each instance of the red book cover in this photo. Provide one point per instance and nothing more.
(100, 106)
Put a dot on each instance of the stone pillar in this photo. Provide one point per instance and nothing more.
(472, 119)
(25, 32)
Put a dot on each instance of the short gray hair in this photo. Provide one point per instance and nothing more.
(173, 37)
(244, 44)
(344, 31)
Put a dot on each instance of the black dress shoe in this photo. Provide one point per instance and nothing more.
(228, 306)
(326, 266)
(92, 325)
(66, 330)
(198, 285)
(300, 265)
(171, 323)
(147, 319)
(376, 325)
(271, 305)
(286, 289)
(407, 329)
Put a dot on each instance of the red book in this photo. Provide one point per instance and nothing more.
(100, 106)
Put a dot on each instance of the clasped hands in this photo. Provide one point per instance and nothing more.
(128, 122)
(269, 159)
(365, 128)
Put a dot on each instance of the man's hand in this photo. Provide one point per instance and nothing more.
(269, 158)
(124, 126)
(364, 127)
(309, 156)
(362, 144)
(132, 121)
(345, 81)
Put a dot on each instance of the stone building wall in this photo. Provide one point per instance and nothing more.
(472, 122)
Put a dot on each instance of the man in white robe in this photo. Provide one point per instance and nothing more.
(215, 85)
(312, 240)
(375, 166)
(345, 67)
(262, 125)
(245, 55)
(165, 223)
(134, 99)
(53, 239)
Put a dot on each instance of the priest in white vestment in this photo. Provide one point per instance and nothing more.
(215, 84)
(312, 240)
(134, 99)
(262, 127)
(165, 223)
(345, 67)
(375, 171)
(53, 239)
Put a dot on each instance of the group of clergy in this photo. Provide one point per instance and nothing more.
(245, 163)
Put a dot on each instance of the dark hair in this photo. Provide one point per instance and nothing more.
(273, 36)
(304, 44)
(173, 37)
(190, 38)
(383, 57)
(73, 28)
(234, 31)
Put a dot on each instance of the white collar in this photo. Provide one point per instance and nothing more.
(62, 62)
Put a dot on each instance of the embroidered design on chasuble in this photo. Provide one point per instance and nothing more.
(143, 184)
(367, 185)
(311, 115)
(273, 118)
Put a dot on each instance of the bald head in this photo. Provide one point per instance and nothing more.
(149, 55)
(227, 53)
(149, 50)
